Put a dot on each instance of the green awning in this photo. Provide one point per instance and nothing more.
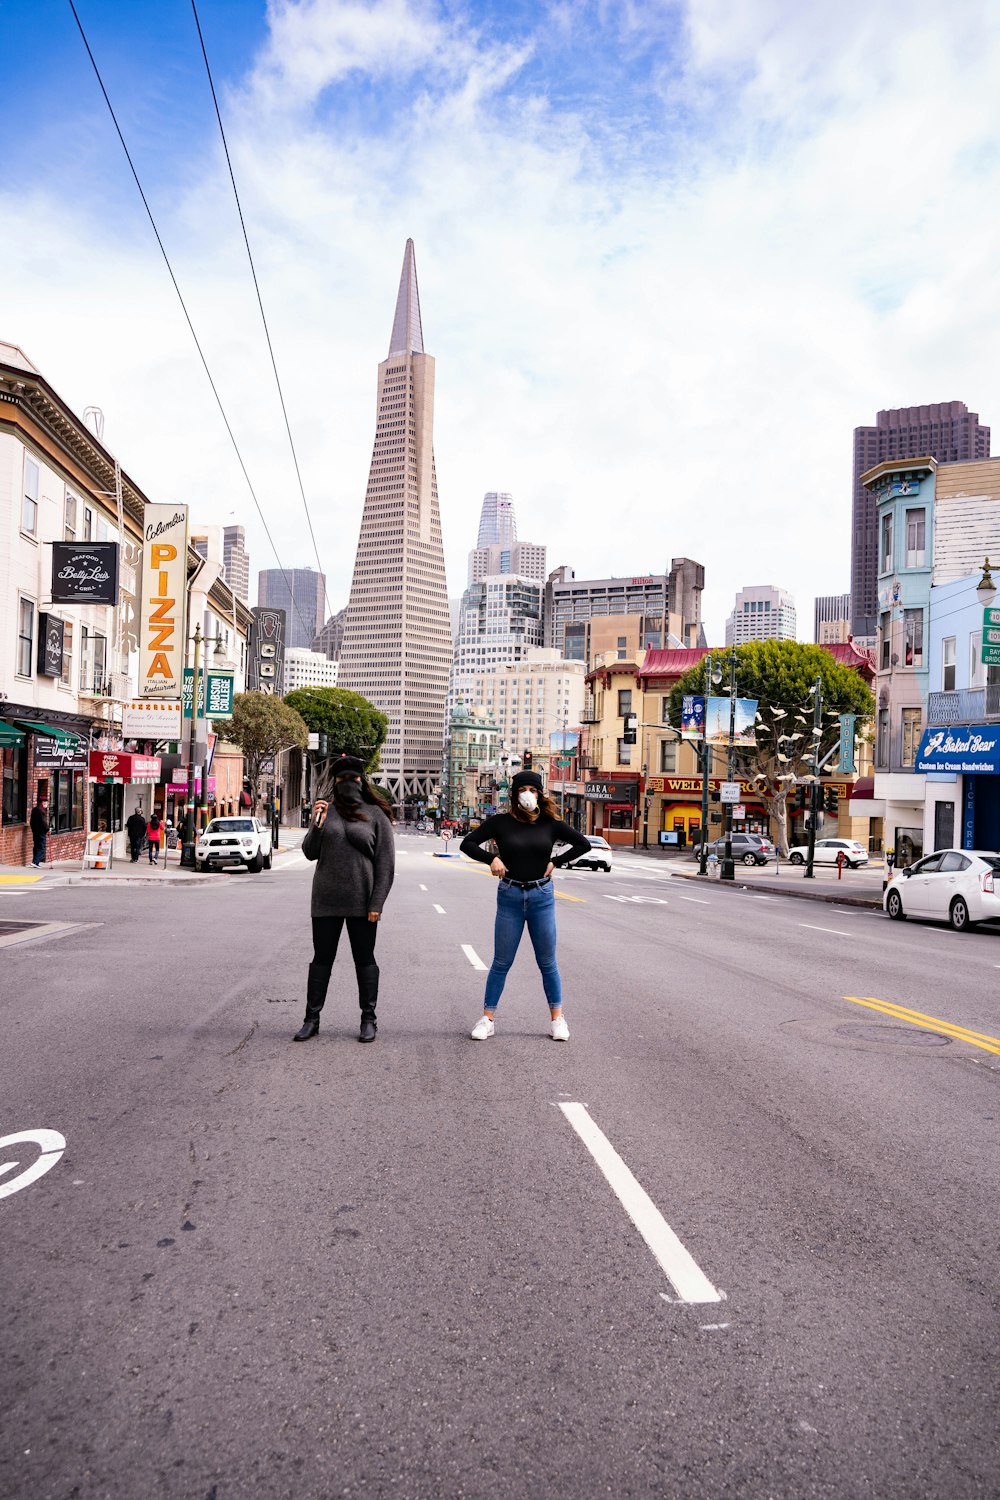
(10, 738)
(62, 737)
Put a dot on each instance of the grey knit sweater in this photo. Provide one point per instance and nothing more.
(355, 866)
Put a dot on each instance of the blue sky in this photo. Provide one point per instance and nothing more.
(670, 252)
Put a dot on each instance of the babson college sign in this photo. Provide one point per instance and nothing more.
(267, 653)
(161, 616)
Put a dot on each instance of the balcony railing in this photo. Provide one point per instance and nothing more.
(964, 706)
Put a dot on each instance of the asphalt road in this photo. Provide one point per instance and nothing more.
(328, 1270)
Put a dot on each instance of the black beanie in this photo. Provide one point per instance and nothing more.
(347, 765)
(526, 778)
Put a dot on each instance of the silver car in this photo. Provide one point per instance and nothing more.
(960, 886)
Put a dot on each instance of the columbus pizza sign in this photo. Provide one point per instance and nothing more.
(161, 619)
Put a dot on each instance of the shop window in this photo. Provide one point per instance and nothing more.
(910, 738)
(25, 638)
(948, 664)
(618, 817)
(913, 637)
(15, 784)
(66, 801)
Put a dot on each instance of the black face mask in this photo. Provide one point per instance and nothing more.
(349, 791)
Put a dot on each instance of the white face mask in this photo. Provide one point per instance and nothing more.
(527, 800)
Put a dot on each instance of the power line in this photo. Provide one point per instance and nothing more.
(187, 315)
(260, 304)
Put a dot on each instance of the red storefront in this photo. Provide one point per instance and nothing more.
(111, 771)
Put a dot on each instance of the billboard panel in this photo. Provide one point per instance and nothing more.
(161, 614)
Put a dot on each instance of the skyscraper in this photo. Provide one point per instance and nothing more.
(497, 525)
(300, 592)
(397, 635)
(831, 619)
(763, 613)
(947, 431)
(237, 561)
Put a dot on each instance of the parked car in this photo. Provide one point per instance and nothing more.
(599, 857)
(748, 849)
(960, 886)
(826, 851)
(234, 841)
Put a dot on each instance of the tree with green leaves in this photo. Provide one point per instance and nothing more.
(351, 724)
(781, 675)
(262, 726)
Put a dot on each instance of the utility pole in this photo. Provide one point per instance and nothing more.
(706, 762)
(189, 836)
(814, 790)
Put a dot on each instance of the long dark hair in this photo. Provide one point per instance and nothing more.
(351, 812)
(546, 809)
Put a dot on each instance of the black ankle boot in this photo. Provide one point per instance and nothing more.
(368, 997)
(316, 988)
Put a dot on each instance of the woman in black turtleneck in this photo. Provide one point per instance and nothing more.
(524, 838)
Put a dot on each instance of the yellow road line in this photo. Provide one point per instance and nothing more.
(929, 1023)
(562, 896)
(19, 879)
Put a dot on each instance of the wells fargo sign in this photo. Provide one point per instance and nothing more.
(161, 619)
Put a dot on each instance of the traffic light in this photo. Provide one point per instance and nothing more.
(631, 729)
(831, 800)
(322, 742)
(526, 760)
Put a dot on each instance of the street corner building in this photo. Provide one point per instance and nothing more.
(397, 634)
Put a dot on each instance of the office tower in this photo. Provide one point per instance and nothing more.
(586, 617)
(305, 668)
(397, 635)
(330, 638)
(947, 431)
(499, 621)
(531, 699)
(831, 619)
(301, 593)
(497, 525)
(236, 559)
(526, 559)
(763, 613)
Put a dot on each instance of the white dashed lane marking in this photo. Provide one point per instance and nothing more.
(473, 957)
(440, 909)
(685, 1275)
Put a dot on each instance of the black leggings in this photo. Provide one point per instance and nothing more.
(326, 936)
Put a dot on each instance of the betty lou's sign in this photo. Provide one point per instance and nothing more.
(161, 616)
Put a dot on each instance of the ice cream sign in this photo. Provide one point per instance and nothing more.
(161, 628)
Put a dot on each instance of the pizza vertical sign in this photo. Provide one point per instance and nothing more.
(161, 616)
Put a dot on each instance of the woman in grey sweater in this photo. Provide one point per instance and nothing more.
(350, 838)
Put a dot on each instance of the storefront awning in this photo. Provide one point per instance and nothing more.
(62, 737)
(966, 749)
(10, 738)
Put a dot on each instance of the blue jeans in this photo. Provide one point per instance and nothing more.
(515, 908)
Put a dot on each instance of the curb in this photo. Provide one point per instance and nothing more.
(155, 885)
(837, 899)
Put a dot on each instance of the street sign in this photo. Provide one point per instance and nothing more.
(739, 811)
(220, 695)
(990, 655)
(314, 741)
(991, 615)
(729, 791)
(991, 635)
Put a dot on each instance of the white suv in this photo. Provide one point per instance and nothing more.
(234, 841)
(826, 852)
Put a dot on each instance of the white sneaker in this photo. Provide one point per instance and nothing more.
(483, 1028)
(559, 1031)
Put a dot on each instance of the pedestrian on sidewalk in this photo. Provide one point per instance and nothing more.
(524, 838)
(154, 832)
(135, 827)
(350, 838)
(39, 824)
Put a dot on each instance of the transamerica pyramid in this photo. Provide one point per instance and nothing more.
(397, 633)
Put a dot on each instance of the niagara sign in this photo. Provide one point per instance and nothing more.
(161, 618)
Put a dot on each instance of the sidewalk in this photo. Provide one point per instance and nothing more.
(167, 873)
(855, 887)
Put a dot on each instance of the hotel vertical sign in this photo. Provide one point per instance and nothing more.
(161, 616)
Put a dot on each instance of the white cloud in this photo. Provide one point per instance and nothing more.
(660, 352)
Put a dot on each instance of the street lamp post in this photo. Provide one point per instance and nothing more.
(728, 870)
(190, 830)
(706, 763)
(814, 789)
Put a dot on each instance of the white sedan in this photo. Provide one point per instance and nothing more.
(959, 886)
(826, 851)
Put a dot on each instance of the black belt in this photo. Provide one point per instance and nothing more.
(525, 885)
